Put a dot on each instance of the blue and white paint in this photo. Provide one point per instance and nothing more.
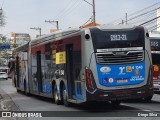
(123, 74)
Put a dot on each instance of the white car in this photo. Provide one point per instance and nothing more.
(3, 75)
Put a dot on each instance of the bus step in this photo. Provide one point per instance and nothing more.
(72, 101)
(73, 97)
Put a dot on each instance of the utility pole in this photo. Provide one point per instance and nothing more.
(122, 21)
(94, 13)
(37, 28)
(49, 21)
(126, 18)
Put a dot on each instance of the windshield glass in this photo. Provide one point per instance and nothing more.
(117, 38)
(155, 59)
(155, 43)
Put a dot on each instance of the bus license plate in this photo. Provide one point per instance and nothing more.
(122, 81)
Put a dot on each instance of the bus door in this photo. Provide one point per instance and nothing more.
(39, 72)
(69, 65)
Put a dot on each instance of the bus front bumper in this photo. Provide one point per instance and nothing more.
(156, 87)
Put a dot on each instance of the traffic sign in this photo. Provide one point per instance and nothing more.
(5, 46)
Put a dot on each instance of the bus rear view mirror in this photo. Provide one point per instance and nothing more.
(147, 34)
(87, 36)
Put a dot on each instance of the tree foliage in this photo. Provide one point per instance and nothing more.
(2, 18)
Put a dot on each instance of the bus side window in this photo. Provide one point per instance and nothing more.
(77, 64)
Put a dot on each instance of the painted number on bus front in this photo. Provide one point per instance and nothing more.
(118, 37)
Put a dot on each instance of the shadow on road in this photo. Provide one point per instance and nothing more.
(90, 106)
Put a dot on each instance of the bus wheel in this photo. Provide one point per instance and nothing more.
(65, 98)
(116, 102)
(148, 99)
(56, 98)
(18, 91)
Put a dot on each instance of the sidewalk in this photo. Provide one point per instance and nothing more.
(8, 105)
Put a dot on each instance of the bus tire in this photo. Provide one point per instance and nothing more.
(56, 98)
(148, 99)
(18, 91)
(65, 98)
(116, 102)
(14, 82)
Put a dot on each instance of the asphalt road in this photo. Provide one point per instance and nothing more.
(10, 100)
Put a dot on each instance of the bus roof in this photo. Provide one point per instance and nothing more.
(21, 48)
(61, 34)
(74, 31)
(56, 35)
(158, 38)
(117, 27)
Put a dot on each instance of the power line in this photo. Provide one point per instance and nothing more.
(146, 8)
(150, 20)
(149, 28)
(155, 28)
(140, 15)
(67, 9)
(62, 10)
(87, 21)
(71, 9)
(137, 12)
(143, 18)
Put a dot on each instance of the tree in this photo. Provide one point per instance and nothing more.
(2, 18)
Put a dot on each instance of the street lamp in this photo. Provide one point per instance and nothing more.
(37, 28)
(49, 21)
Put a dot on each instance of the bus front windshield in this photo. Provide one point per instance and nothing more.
(104, 39)
(156, 59)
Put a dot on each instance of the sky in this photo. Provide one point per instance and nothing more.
(21, 15)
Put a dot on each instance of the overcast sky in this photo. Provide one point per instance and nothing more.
(23, 14)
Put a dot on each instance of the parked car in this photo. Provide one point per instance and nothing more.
(3, 75)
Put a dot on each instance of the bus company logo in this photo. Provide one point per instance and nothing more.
(110, 80)
(119, 53)
(121, 70)
(128, 69)
(136, 72)
(105, 69)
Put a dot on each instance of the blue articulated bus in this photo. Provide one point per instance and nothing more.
(105, 63)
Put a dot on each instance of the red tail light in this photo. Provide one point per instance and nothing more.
(88, 78)
(90, 83)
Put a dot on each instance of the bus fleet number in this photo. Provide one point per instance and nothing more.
(118, 37)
